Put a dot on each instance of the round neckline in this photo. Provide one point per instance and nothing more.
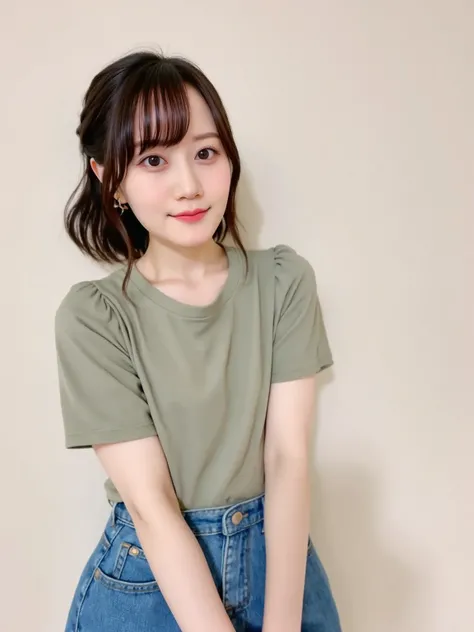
(234, 277)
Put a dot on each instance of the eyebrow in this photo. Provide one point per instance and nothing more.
(206, 135)
(195, 138)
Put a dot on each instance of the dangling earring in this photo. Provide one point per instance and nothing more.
(123, 207)
(221, 230)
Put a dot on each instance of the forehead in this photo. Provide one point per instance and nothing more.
(200, 115)
(161, 116)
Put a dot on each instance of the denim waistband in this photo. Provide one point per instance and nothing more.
(226, 520)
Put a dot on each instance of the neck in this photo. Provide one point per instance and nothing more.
(163, 261)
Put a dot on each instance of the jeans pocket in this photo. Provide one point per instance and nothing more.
(125, 567)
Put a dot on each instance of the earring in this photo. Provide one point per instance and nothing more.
(119, 206)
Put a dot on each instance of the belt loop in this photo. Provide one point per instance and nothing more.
(113, 513)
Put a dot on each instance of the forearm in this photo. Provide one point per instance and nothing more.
(287, 518)
(182, 572)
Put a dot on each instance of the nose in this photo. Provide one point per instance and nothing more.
(188, 183)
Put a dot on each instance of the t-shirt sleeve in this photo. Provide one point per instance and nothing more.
(101, 397)
(300, 342)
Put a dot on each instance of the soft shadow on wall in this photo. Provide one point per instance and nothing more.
(375, 586)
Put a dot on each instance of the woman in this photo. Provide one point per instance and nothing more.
(190, 370)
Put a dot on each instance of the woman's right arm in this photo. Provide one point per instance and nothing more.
(104, 406)
(139, 471)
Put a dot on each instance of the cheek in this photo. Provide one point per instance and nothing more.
(144, 191)
(219, 179)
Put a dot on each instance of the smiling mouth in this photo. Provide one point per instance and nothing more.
(191, 216)
(196, 211)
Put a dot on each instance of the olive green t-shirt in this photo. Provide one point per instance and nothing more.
(198, 377)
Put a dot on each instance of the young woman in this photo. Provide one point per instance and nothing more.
(190, 370)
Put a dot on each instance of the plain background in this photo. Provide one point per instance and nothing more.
(354, 121)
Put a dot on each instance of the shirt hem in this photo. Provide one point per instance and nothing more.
(109, 436)
(301, 372)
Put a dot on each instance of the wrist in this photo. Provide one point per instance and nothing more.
(281, 625)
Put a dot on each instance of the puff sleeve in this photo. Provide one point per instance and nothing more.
(300, 342)
(100, 393)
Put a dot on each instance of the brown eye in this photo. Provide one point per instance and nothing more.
(204, 153)
(153, 161)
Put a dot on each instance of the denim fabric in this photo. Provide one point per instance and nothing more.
(117, 591)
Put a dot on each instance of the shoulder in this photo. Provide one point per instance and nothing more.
(89, 305)
(81, 298)
(282, 264)
(291, 266)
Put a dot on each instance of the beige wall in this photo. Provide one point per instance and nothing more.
(354, 121)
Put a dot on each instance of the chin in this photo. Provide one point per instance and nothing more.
(191, 238)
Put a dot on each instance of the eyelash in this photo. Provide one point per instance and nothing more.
(216, 152)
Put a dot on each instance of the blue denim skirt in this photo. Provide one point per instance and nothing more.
(118, 593)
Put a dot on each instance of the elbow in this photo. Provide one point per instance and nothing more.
(150, 509)
(284, 461)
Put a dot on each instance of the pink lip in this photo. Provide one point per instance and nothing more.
(191, 216)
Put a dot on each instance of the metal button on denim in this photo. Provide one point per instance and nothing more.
(125, 597)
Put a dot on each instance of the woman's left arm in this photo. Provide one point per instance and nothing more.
(287, 501)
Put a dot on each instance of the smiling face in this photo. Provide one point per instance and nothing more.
(164, 182)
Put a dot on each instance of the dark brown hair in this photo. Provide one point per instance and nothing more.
(153, 85)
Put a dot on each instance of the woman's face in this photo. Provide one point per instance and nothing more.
(165, 182)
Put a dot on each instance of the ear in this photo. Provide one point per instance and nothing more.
(97, 169)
